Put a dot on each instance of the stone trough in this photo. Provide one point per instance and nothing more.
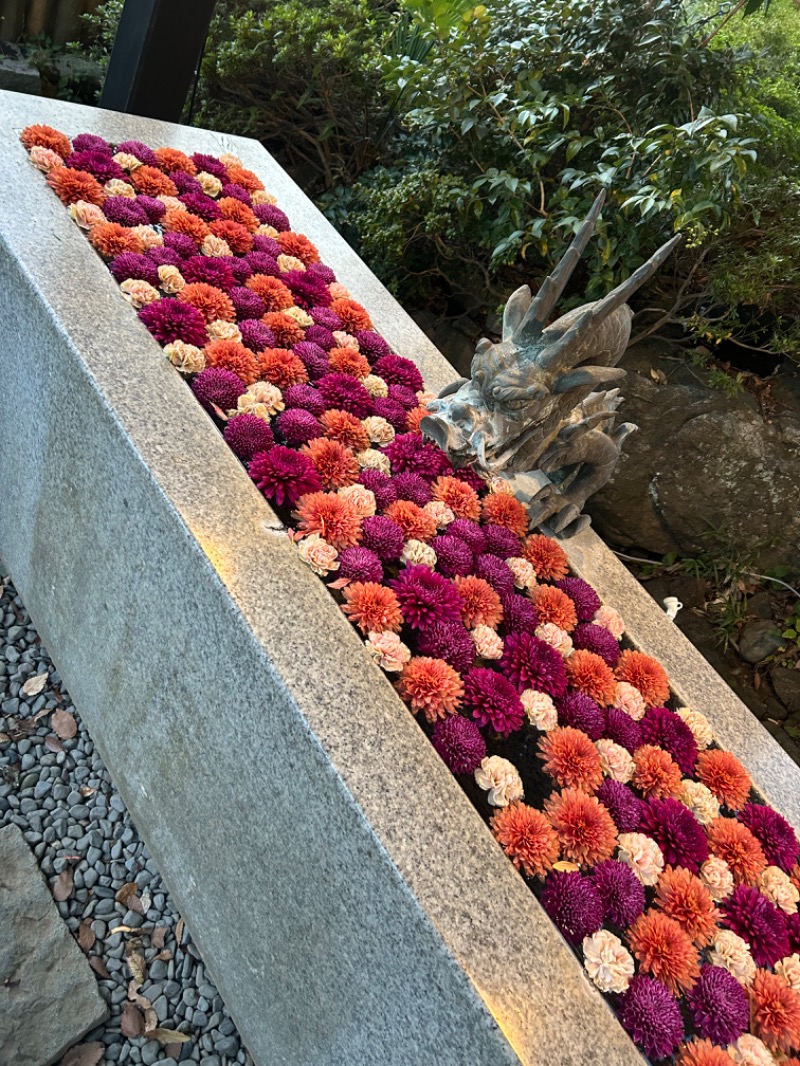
(346, 897)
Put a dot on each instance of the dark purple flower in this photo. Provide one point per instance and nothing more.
(172, 320)
(371, 345)
(248, 306)
(180, 243)
(313, 358)
(449, 642)
(201, 205)
(383, 536)
(667, 730)
(236, 192)
(270, 215)
(758, 921)
(410, 486)
(392, 411)
(186, 184)
(624, 807)
(426, 597)
(574, 904)
(134, 265)
(597, 639)
(581, 712)
(460, 744)
(622, 729)
(519, 614)
(100, 164)
(381, 485)
(495, 571)
(321, 271)
(284, 475)
(153, 207)
(266, 245)
(321, 336)
(255, 335)
(210, 164)
(360, 564)
(140, 150)
(406, 397)
(308, 291)
(163, 257)
(493, 701)
(262, 263)
(247, 434)
(344, 393)
(531, 663)
(323, 316)
(453, 557)
(210, 270)
(586, 600)
(396, 370)
(676, 831)
(408, 451)
(718, 1006)
(298, 427)
(501, 542)
(620, 890)
(216, 387)
(470, 532)
(90, 142)
(652, 1016)
(123, 211)
(471, 478)
(773, 833)
(305, 396)
(793, 931)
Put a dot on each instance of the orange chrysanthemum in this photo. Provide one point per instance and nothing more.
(272, 291)
(185, 222)
(657, 774)
(73, 185)
(774, 1012)
(170, 159)
(526, 836)
(571, 759)
(352, 314)
(231, 355)
(414, 417)
(151, 182)
(460, 497)
(548, 558)
(287, 331)
(703, 1053)
(506, 511)
(335, 519)
(372, 607)
(724, 775)
(238, 237)
(664, 950)
(684, 898)
(46, 137)
(431, 686)
(235, 211)
(553, 605)
(110, 239)
(589, 674)
(415, 523)
(211, 302)
(346, 428)
(282, 367)
(481, 604)
(246, 178)
(349, 361)
(585, 829)
(646, 675)
(335, 464)
(733, 842)
(298, 245)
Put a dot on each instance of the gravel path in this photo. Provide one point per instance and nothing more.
(60, 794)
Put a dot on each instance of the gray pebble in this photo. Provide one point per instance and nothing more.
(190, 997)
(158, 970)
(199, 1019)
(227, 1045)
(161, 1007)
(150, 1052)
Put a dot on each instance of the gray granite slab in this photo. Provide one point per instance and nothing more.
(48, 994)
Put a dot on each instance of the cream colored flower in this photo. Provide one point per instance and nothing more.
(540, 709)
(388, 651)
(361, 498)
(643, 856)
(210, 184)
(266, 231)
(137, 292)
(289, 262)
(85, 214)
(750, 1051)
(700, 726)
(345, 340)
(700, 800)
(778, 888)
(630, 700)
(215, 247)
(228, 159)
(789, 970)
(440, 513)
(261, 196)
(148, 236)
(424, 397)
(418, 553)
(611, 620)
(733, 954)
(45, 159)
(556, 637)
(523, 571)
(615, 761)
(318, 554)
(608, 962)
(171, 279)
(118, 187)
(339, 291)
(501, 779)
(301, 317)
(375, 386)
(263, 394)
(185, 357)
(220, 330)
(372, 459)
(488, 645)
(717, 877)
(500, 486)
(378, 429)
(127, 161)
(172, 203)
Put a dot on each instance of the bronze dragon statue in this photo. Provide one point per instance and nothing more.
(538, 404)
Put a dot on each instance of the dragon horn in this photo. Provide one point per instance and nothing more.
(587, 375)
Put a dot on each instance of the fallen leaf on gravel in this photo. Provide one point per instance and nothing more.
(85, 791)
(98, 964)
(179, 932)
(86, 935)
(159, 936)
(52, 743)
(136, 905)
(64, 724)
(164, 956)
(146, 900)
(34, 685)
(124, 894)
(129, 929)
(62, 889)
(167, 1036)
(136, 961)
(84, 1054)
(4, 738)
(132, 1022)
(150, 1019)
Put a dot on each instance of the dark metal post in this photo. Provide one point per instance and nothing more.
(155, 57)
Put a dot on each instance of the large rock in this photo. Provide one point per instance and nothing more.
(703, 461)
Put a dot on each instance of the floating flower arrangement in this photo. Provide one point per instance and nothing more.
(645, 843)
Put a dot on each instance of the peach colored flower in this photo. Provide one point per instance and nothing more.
(85, 214)
(778, 888)
(608, 962)
(732, 953)
(418, 553)
(524, 574)
(267, 231)
(388, 651)
(440, 512)
(700, 801)
(210, 184)
(643, 856)
(301, 317)
(789, 970)
(344, 339)
(375, 386)
(699, 725)
(611, 620)
(615, 761)
(264, 394)
(118, 187)
(372, 459)
(185, 357)
(215, 246)
(339, 291)
(44, 159)
(500, 486)
(171, 279)
(147, 237)
(259, 196)
(540, 709)
(750, 1051)
(488, 645)
(361, 498)
(717, 877)
(172, 203)
(378, 429)
(501, 779)
(630, 700)
(137, 292)
(318, 554)
(128, 162)
(290, 262)
(228, 159)
(424, 397)
(556, 637)
(220, 330)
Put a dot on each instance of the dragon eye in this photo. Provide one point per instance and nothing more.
(516, 405)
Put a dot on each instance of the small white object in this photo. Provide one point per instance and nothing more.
(671, 606)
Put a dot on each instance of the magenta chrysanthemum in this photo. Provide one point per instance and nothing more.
(676, 831)
(90, 142)
(453, 557)
(305, 397)
(140, 150)
(217, 387)
(574, 904)
(247, 434)
(586, 600)
(449, 642)
(758, 921)
(313, 359)
(100, 164)
(124, 211)
(519, 614)
(495, 571)
(501, 542)
(622, 729)
(622, 804)
(493, 701)
(323, 316)
(395, 370)
(321, 336)
(307, 290)
(410, 486)
(392, 411)
(598, 640)
(531, 663)
(186, 183)
(471, 533)
(261, 263)
(581, 712)
(297, 426)
(426, 597)
(209, 163)
(667, 730)
(255, 335)
(270, 215)
(718, 1005)
(360, 564)
(284, 475)
(154, 209)
(793, 931)
(323, 272)
(406, 397)
(773, 833)
(408, 451)
(201, 205)
(345, 393)
(384, 537)
(459, 742)
(381, 485)
(651, 1015)
(172, 320)
(162, 256)
(180, 243)
(208, 269)
(620, 890)
(134, 265)
(266, 246)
